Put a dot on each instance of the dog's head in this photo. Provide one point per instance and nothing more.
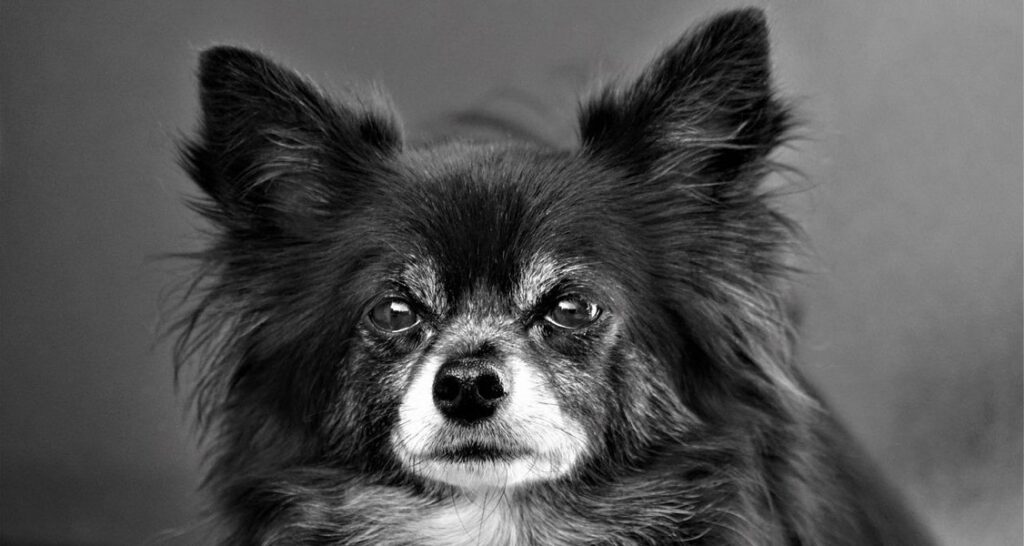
(484, 314)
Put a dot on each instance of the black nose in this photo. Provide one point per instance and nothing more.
(468, 391)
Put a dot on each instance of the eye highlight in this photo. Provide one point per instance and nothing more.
(393, 315)
(572, 313)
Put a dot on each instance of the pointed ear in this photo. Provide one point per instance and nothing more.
(272, 149)
(705, 109)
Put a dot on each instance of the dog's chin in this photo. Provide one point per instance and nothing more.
(486, 466)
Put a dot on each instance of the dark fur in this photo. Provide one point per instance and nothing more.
(706, 432)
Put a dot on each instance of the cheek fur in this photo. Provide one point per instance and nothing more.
(579, 387)
(369, 388)
(577, 365)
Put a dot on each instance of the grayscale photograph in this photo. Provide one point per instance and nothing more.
(511, 273)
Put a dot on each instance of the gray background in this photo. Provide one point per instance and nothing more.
(913, 158)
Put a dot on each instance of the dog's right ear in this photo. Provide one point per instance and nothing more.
(274, 151)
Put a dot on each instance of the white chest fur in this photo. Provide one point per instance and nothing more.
(463, 522)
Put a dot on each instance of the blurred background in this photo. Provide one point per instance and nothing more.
(913, 206)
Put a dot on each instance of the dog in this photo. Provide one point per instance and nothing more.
(496, 342)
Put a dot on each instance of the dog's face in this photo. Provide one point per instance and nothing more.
(491, 340)
(487, 315)
(496, 314)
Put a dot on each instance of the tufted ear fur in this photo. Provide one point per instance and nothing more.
(692, 135)
(704, 110)
(272, 152)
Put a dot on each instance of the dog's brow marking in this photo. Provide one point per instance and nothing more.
(540, 275)
(421, 276)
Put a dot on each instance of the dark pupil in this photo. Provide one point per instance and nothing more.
(572, 313)
(393, 315)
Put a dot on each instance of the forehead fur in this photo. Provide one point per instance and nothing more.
(480, 213)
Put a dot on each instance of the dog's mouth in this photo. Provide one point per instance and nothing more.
(478, 452)
(483, 463)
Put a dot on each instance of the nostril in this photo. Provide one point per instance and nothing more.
(488, 387)
(447, 388)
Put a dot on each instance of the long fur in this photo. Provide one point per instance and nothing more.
(701, 429)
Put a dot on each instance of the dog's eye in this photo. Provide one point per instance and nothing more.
(393, 315)
(572, 313)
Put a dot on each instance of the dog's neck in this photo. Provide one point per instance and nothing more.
(489, 517)
(649, 510)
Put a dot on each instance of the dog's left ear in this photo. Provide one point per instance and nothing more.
(704, 110)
